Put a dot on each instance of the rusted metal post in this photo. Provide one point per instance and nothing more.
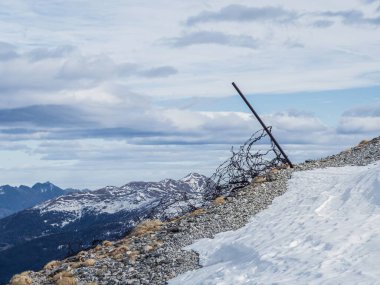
(262, 124)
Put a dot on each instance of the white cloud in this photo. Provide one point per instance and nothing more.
(241, 13)
(133, 33)
(113, 62)
(360, 125)
(190, 120)
(372, 110)
(296, 122)
(364, 119)
(98, 94)
(210, 37)
(46, 76)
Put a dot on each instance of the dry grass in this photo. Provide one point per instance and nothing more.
(119, 251)
(360, 145)
(146, 227)
(81, 254)
(259, 179)
(75, 265)
(118, 257)
(89, 262)
(177, 219)
(197, 212)
(64, 278)
(153, 246)
(66, 281)
(283, 166)
(21, 279)
(157, 243)
(363, 143)
(219, 201)
(52, 264)
(101, 256)
(98, 247)
(26, 273)
(148, 248)
(83, 263)
(347, 150)
(107, 243)
(61, 275)
(132, 255)
(91, 283)
(274, 170)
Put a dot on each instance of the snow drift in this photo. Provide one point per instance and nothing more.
(324, 230)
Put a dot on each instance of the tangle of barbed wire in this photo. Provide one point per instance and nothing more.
(244, 165)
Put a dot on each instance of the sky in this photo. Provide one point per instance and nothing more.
(96, 93)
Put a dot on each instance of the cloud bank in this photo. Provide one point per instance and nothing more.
(241, 13)
(218, 38)
(81, 84)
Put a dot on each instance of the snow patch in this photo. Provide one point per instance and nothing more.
(324, 230)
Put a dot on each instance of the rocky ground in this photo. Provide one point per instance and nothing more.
(153, 253)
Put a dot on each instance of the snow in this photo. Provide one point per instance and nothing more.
(324, 230)
(74, 209)
(75, 204)
(194, 180)
(111, 199)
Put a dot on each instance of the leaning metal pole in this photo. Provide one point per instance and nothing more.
(262, 124)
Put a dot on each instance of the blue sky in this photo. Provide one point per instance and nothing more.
(95, 93)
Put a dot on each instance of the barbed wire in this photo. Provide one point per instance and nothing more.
(244, 165)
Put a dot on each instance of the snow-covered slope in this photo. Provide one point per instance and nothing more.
(324, 230)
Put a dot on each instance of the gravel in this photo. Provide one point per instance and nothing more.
(157, 255)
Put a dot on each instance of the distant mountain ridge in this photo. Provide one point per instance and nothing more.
(113, 199)
(14, 199)
(70, 222)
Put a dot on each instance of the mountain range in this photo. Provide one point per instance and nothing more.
(68, 223)
(14, 199)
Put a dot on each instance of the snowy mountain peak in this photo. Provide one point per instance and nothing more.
(193, 175)
(197, 182)
(46, 186)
